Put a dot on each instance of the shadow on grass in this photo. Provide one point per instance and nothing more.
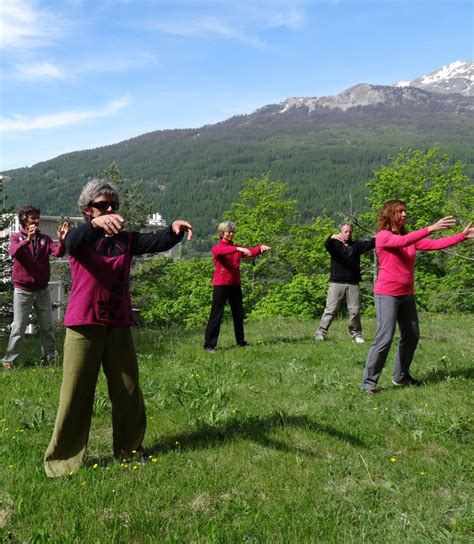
(255, 429)
(436, 376)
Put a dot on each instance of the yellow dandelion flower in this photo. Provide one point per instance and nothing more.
(154, 459)
(393, 459)
(71, 472)
(422, 473)
(95, 465)
(135, 467)
(134, 452)
(11, 466)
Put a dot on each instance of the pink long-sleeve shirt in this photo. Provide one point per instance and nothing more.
(396, 254)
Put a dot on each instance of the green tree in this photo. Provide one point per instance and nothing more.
(432, 185)
(263, 213)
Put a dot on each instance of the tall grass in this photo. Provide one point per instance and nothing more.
(270, 443)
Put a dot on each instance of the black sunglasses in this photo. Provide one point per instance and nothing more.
(104, 205)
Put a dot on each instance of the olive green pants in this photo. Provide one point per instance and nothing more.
(86, 347)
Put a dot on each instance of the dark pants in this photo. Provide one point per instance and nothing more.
(390, 311)
(222, 294)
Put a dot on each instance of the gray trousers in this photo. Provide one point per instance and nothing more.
(390, 311)
(23, 304)
(336, 292)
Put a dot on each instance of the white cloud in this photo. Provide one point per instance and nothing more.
(242, 21)
(41, 70)
(24, 25)
(24, 123)
(102, 65)
(207, 27)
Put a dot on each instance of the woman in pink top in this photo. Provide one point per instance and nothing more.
(226, 282)
(98, 320)
(394, 289)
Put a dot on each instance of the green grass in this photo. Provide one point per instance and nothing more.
(271, 443)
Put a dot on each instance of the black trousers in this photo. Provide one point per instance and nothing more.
(222, 294)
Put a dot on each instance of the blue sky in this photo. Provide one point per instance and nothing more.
(79, 74)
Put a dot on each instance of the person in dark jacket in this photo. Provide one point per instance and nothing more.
(226, 282)
(98, 324)
(31, 250)
(344, 280)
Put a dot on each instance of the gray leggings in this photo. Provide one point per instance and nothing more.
(390, 311)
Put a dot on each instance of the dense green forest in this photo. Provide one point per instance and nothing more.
(326, 157)
(291, 278)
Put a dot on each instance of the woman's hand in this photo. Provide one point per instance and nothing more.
(112, 223)
(469, 232)
(179, 226)
(32, 231)
(443, 224)
(62, 231)
(244, 250)
(264, 247)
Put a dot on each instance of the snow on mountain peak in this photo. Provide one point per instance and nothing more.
(456, 77)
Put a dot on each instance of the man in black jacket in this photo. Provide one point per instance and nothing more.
(344, 280)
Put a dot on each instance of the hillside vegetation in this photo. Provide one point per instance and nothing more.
(325, 157)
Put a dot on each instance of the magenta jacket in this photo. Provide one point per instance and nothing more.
(227, 262)
(30, 273)
(396, 254)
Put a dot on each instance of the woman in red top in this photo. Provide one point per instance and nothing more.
(394, 289)
(226, 282)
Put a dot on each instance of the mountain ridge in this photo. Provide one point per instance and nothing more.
(324, 152)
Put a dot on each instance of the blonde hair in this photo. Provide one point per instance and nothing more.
(225, 226)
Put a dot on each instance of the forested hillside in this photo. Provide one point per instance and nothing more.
(325, 156)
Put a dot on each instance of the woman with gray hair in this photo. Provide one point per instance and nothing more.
(226, 282)
(98, 320)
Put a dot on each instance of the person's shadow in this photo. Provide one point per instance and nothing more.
(255, 429)
(436, 376)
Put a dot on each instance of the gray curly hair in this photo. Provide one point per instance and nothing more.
(97, 187)
(225, 226)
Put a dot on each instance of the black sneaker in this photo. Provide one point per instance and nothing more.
(406, 382)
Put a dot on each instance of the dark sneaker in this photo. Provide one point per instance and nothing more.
(408, 381)
(242, 345)
(209, 349)
(372, 391)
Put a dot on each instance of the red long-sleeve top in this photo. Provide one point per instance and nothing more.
(396, 254)
(227, 262)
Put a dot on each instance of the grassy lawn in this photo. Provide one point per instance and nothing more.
(270, 443)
